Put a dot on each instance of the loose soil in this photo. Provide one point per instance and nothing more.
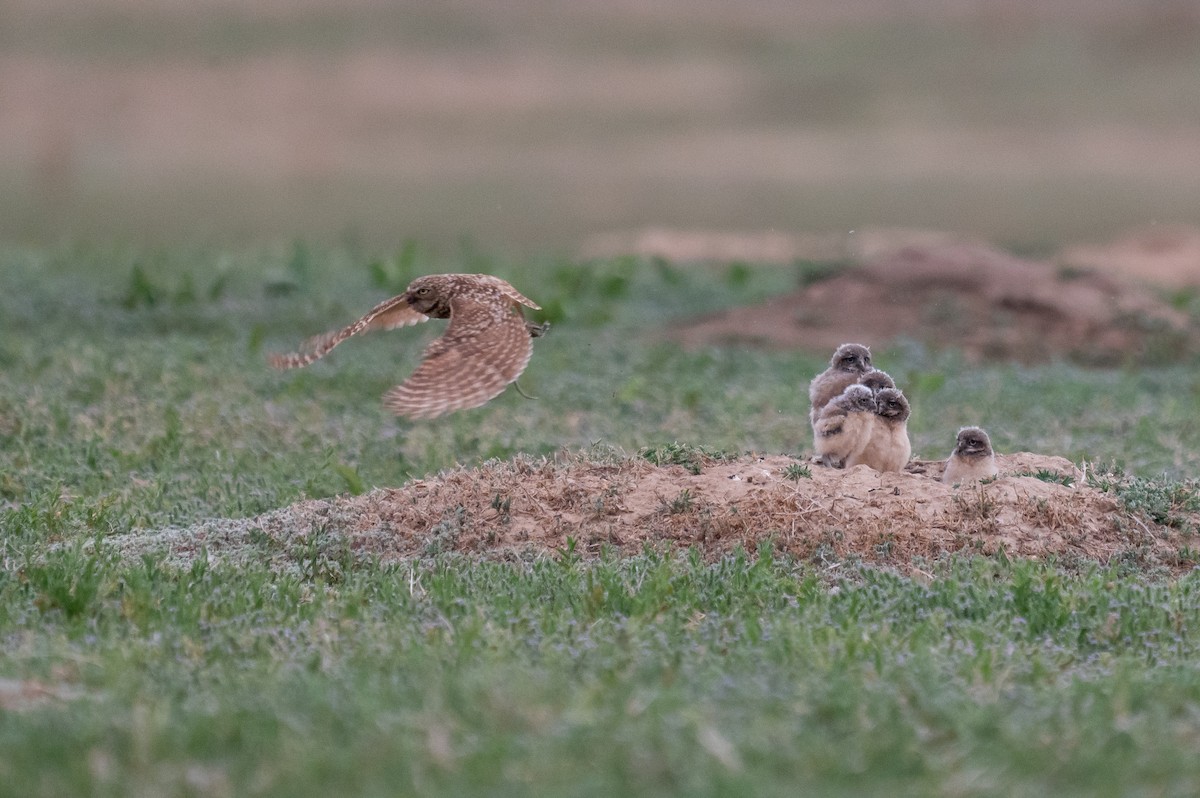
(987, 303)
(523, 507)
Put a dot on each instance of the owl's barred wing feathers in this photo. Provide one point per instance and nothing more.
(387, 315)
(506, 288)
(486, 346)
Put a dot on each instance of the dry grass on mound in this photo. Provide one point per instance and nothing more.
(527, 506)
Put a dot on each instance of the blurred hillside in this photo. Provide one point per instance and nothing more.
(535, 124)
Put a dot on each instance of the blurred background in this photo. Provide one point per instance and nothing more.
(543, 125)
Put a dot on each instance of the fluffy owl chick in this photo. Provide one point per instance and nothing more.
(972, 457)
(844, 426)
(877, 380)
(848, 363)
(888, 447)
(485, 347)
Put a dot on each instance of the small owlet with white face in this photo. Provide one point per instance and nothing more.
(877, 380)
(847, 365)
(972, 457)
(888, 448)
(485, 347)
(844, 426)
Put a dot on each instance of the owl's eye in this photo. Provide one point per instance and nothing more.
(423, 291)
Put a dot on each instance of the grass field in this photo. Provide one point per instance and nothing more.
(134, 396)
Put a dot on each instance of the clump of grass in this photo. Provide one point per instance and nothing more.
(443, 536)
(1173, 503)
(797, 471)
(69, 580)
(1046, 475)
(681, 504)
(349, 474)
(503, 507)
(693, 458)
(1166, 503)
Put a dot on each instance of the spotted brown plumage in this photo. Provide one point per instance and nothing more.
(486, 345)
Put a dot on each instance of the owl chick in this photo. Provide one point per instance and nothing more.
(972, 457)
(877, 380)
(888, 447)
(844, 426)
(485, 347)
(847, 365)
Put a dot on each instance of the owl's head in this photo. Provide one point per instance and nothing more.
(972, 442)
(892, 404)
(851, 357)
(877, 380)
(856, 399)
(430, 295)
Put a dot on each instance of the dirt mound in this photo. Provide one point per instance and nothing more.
(1165, 254)
(1038, 507)
(988, 303)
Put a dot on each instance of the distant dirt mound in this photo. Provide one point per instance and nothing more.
(1165, 254)
(987, 303)
(525, 506)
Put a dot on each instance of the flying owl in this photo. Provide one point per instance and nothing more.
(485, 347)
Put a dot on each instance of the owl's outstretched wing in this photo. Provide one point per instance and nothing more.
(387, 315)
(485, 347)
(506, 288)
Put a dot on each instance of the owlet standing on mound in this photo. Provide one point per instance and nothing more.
(485, 347)
(889, 447)
(844, 426)
(848, 363)
(972, 457)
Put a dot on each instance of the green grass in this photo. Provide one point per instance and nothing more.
(134, 396)
(648, 675)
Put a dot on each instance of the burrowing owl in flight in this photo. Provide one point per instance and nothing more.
(848, 363)
(485, 347)
(972, 457)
